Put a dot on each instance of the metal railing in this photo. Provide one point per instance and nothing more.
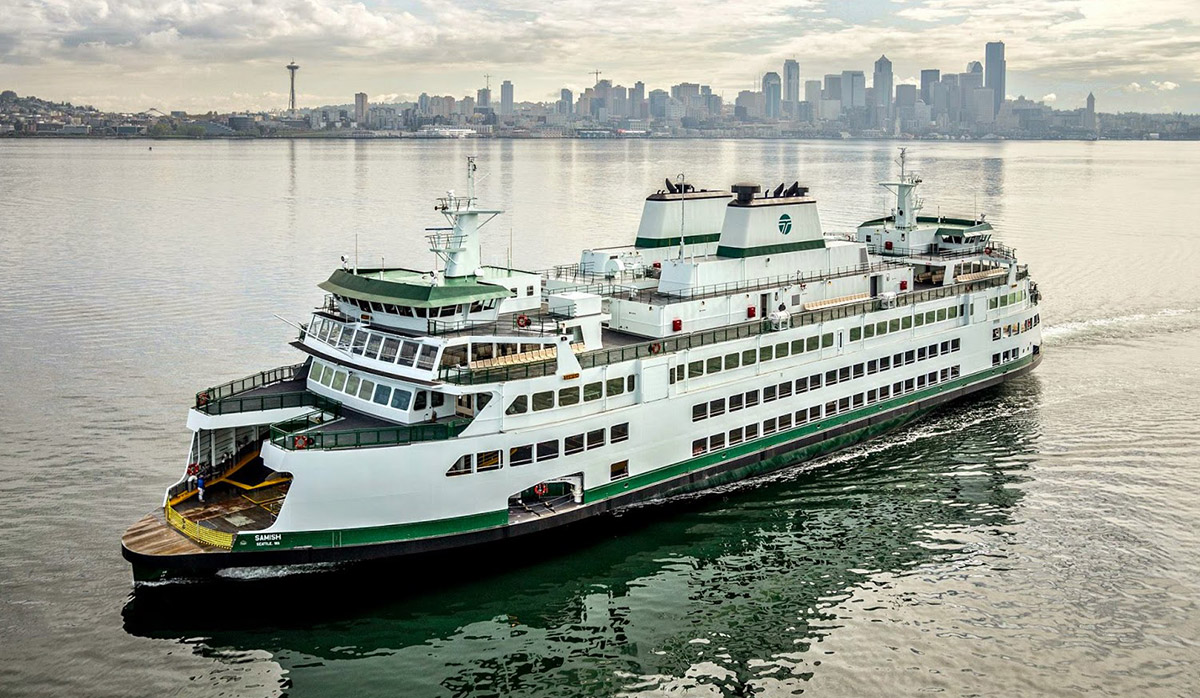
(275, 401)
(220, 392)
(929, 251)
(604, 357)
(293, 435)
(771, 281)
(198, 533)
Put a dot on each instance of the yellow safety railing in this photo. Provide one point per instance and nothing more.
(199, 533)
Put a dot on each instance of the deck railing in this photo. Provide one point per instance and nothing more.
(198, 533)
(241, 385)
(274, 401)
(604, 357)
(294, 434)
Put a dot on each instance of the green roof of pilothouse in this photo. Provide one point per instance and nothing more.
(411, 288)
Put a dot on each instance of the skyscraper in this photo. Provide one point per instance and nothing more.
(812, 92)
(929, 78)
(566, 101)
(772, 94)
(791, 85)
(637, 98)
(882, 80)
(994, 73)
(833, 87)
(360, 109)
(854, 89)
(483, 98)
(506, 98)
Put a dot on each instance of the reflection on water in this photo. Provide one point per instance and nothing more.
(727, 589)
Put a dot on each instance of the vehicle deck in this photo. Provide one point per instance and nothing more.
(522, 511)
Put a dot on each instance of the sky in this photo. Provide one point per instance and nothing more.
(196, 55)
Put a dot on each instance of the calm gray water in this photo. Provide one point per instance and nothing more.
(1039, 540)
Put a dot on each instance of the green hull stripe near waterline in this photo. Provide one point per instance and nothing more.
(250, 541)
(724, 251)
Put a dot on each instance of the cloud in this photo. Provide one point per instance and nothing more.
(1050, 97)
(1164, 85)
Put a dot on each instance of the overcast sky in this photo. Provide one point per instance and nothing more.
(230, 54)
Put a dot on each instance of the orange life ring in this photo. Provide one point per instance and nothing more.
(193, 469)
(987, 250)
(202, 399)
(540, 489)
(302, 442)
(656, 348)
(522, 321)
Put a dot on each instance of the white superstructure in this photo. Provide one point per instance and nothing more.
(471, 403)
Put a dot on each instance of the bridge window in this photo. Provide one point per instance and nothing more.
(373, 343)
(360, 340)
(428, 354)
(390, 347)
(408, 353)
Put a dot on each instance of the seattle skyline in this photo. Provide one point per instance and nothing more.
(130, 55)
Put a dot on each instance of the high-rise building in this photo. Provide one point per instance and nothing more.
(833, 88)
(772, 94)
(483, 98)
(506, 98)
(929, 78)
(1089, 114)
(854, 89)
(812, 92)
(637, 99)
(882, 81)
(981, 105)
(360, 109)
(658, 103)
(566, 101)
(791, 86)
(995, 72)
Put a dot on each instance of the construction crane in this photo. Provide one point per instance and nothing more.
(597, 73)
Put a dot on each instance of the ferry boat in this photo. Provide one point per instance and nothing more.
(470, 404)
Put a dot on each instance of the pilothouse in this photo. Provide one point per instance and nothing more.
(471, 404)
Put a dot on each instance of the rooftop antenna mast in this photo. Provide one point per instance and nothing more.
(682, 212)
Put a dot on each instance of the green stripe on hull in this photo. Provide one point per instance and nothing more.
(246, 542)
(668, 242)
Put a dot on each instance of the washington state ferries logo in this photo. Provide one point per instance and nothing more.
(785, 224)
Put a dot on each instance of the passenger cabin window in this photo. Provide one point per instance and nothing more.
(401, 399)
(618, 470)
(543, 400)
(462, 466)
(487, 460)
(428, 354)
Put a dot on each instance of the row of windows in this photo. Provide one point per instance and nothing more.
(749, 357)
(1002, 301)
(883, 327)
(1016, 327)
(367, 389)
(800, 417)
(570, 395)
(374, 345)
(786, 389)
(406, 311)
(1005, 357)
(541, 451)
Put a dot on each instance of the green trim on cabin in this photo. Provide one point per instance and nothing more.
(413, 294)
(251, 541)
(708, 459)
(725, 251)
(667, 242)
